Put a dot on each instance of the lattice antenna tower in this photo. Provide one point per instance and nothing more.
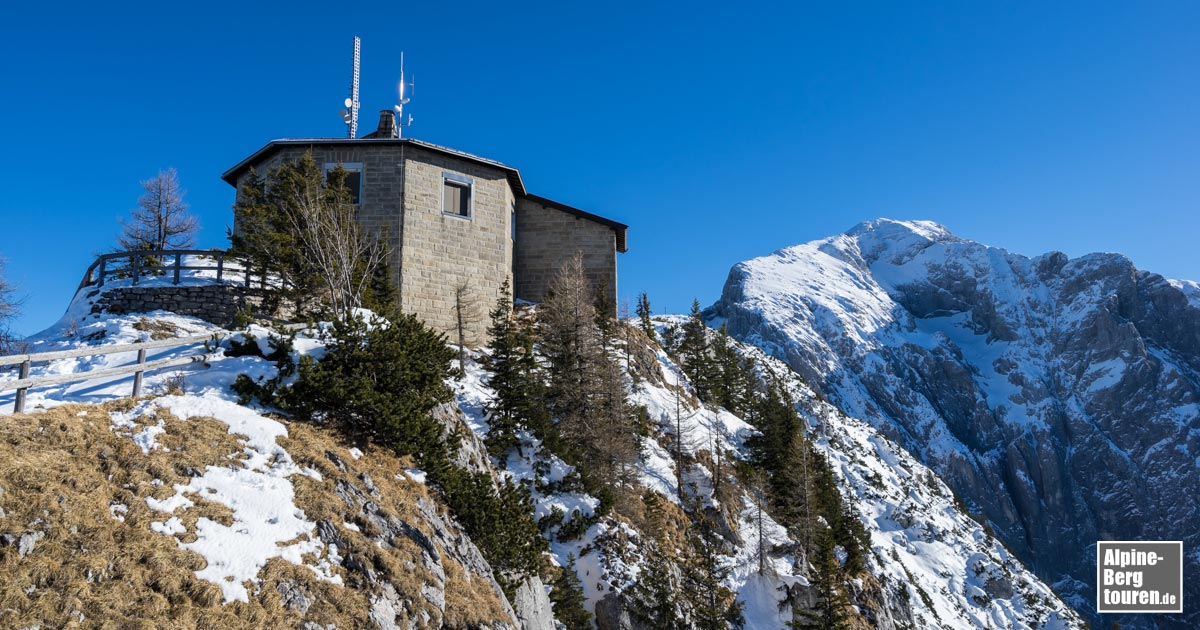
(350, 114)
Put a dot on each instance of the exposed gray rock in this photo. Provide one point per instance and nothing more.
(445, 534)
(1056, 396)
(385, 608)
(472, 456)
(293, 596)
(613, 614)
(532, 605)
(27, 542)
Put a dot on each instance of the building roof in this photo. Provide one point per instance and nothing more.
(230, 176)
(619, 228)
(514, 176)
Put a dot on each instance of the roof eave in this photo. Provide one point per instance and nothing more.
(513, 175)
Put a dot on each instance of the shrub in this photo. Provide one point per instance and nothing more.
(378, 380)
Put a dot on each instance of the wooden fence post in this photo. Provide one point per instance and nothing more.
(178, 257)
(137, 376)
(137, 266)
(102, 270)
(220, 265)
(23, 374)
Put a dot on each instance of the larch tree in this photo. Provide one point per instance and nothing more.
(9, 305)
(586, 390)
(161, 219)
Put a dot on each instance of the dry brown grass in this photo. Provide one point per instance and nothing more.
(62, 469)
(470, 602)
(158, 329)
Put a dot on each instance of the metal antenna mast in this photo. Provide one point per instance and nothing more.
(350, 114)
(401, 123)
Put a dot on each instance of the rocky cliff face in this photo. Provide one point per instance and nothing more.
(1058, 397)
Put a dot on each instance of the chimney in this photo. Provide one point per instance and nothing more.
(387, 125)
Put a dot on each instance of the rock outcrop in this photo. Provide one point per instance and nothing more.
(1058, 397)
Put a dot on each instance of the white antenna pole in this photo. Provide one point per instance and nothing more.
(350, 114)
(401, 123)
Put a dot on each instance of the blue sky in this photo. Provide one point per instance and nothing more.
(718, 131)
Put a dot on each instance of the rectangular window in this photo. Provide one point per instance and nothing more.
(354, 172)
(456, 195)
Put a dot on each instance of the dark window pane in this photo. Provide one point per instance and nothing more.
(456, 198)
(354, 185)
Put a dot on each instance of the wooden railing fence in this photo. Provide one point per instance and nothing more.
(25, 361)
(136, 265)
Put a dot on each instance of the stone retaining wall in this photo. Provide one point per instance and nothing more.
(216, 303)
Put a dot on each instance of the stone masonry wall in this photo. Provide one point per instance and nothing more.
(547, 237)
(382, 185)
(216, 303)
(442, 252)
(433, 253)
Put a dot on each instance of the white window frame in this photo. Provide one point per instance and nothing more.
(470, 184)
(350, 167)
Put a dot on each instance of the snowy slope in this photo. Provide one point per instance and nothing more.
(1058, 396)
(937, 568)
(258, 488)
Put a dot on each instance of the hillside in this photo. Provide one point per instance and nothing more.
(187, 508)
(1058, 397)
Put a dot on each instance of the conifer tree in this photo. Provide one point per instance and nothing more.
(694, 354)
(515, 377)
(730, 373)
(711, 605)
(643, 314)
(498, 520)
(671, 336)
(654, 602)
(654, 598)
(299, 224)
(566, 596)
(828, 582)
(378, 382)
(756, 487)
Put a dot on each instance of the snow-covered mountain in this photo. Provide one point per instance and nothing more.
(1058, 397)
(279, 523)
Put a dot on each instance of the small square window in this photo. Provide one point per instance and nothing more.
(353, 179)
(456, 196)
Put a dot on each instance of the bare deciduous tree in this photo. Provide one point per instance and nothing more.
(161, 219)
(9, 306)
(333, 244)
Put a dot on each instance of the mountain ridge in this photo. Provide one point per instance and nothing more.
(1007, 374)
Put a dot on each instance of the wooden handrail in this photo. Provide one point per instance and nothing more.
(100, 269)
(23, 382)
(96, 351)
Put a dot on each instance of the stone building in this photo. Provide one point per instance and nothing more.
(455, 221)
